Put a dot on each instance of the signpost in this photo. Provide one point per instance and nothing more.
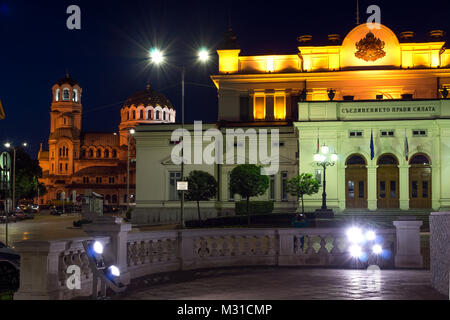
(5, 170)
(182, 185)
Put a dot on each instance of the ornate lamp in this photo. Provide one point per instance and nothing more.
(444, 92)
(324, 159)
(331, 94)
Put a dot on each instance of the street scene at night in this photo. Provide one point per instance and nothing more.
(224, 157)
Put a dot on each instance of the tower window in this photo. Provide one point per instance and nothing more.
(141, 114)
(114, 153)
(91, 153)
(75, 95)
(66, 94)
(106, 153)
(133, 115)
(149, 114)
(157, 115)
(57, 95)
(99, 153)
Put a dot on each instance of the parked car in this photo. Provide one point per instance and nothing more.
(11, 218)
(19, 216)
(9, 267)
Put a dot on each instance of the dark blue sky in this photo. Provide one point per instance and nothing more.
(109, 55)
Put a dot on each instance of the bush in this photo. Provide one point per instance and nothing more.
(255, 207)
(79, 223)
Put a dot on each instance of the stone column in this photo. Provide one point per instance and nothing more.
(39, 274)
(118, 232)
(286, 247)
(440, 251)
(403, 187)
(372, 187)
(408, 244)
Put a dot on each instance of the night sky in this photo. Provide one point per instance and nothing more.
(109, 55)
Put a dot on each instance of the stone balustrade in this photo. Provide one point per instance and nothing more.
(440, 251)
(44, 263)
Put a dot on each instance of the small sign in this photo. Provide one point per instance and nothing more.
(182, 185)
(5, 161)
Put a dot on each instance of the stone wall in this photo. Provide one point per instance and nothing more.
(440, 251)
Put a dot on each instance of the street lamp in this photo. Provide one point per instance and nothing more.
(324, 159)
(131, 133)
(157, 58)
(8, 145)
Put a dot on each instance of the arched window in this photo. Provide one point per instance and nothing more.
(157, 115)
(141, 114)
(114, 198)
(108, 198)
(91, 153)
(419, 159)
(355, 159)
(57, 93)
(149, 114)
(387, 159)
(66, 94)
(164, 115)
(106, 153)
(75, 95)
(133, 115)
(83, 153)
(114, 153)
(99, 153)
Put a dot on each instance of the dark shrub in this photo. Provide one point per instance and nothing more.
(255, 207)
(79, 223)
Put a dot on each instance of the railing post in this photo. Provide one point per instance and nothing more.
(286, 252)
(408, 244)
(440, 251)
(186, 250)
(118, 232)
(39, 274)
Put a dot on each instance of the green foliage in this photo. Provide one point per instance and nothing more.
(247, 181)
(79, 223)
(255, 207)
(27, 173)
(202, 186)
(301, 185)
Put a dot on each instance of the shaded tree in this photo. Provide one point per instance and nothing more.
(247, 181)
(202, 186)
(301, 185)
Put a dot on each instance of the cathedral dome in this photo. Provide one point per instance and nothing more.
(148, 97)
(67, 80)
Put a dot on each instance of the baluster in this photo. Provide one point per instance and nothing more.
(236, 246)
(246, 243)
(335, 249)
(258, 249)
(214, 250)
(323, 249)
(310, 249)
(226, 246)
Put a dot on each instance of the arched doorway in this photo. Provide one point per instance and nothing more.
(387, 182)
(420, 182)
(356, 182)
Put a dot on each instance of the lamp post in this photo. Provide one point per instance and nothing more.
(157, 57)
(131, 133)
(324, 159)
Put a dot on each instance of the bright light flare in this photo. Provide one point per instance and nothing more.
(98, 247)
(157, 56)
(203, 55)
(324, 149)
(377, 249)
(132, 131)
(355, 235)
(371, 235)
(8, 145)
(355, 251)
(114, 271)
(334, 157)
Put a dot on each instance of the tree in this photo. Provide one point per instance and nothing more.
(201, 187)
(301, 185)
(247, 181)
(27, 173)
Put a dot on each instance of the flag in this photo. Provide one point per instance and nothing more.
(372, 149)
(406, 147)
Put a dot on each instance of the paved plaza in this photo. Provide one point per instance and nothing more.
(291, 284)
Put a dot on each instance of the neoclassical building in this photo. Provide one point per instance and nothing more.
(78, 162)
(372, 85)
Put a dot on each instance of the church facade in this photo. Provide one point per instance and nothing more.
(78, 162)
(376, 98)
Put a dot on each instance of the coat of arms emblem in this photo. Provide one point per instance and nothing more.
(370, 48)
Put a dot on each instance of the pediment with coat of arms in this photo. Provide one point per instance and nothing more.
(370, 48)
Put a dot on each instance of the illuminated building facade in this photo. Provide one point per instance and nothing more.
(80, 162)
(372, 85)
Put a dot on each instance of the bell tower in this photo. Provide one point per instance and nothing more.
(65, 126)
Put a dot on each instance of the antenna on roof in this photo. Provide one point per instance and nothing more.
(357, 12)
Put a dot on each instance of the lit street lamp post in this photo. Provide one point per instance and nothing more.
(157, 58)
(132, 131)
(324, 159)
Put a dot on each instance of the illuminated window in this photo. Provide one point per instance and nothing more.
(66, 94)
(57, 95)
(75, 95)
(279, 111)
(259, 109)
